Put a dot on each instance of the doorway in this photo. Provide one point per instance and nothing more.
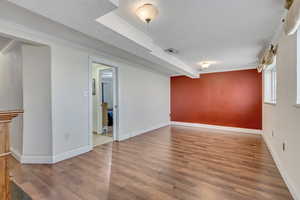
(103, 91)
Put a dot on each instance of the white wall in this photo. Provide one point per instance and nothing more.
(70, 86)
(144, 94)
(37, 137)
(25, 84)
(144, 101)
(11, 92)
(284, 118)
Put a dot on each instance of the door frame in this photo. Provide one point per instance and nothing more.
(115, 97)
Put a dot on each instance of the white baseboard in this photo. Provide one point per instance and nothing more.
(78, 151)
(283, 172)
(136, 133)
(223, 128)
(122, 137)
(16, 154)
(70, 154)
(142, 131)
(36, 159)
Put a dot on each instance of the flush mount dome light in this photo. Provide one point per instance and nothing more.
(206, 64)
(147, 12)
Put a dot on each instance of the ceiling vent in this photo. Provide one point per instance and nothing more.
(171, 51)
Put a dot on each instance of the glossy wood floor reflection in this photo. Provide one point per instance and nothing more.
(168, 163)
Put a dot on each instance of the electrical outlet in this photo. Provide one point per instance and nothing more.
(283, 146)
(273, 133)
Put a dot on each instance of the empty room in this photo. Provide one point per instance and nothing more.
(149, 100)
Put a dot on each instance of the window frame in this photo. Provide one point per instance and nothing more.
(298, 71)
(270, 97)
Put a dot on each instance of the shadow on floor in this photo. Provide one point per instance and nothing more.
(17, 193)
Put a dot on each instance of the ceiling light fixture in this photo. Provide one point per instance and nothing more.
(206, 64)
(147, 12)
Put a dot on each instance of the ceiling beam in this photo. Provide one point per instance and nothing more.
(245, 67)
(115, 2)
(120, 26)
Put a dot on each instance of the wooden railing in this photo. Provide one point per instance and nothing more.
(5, 120)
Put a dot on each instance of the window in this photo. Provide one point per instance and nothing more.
(270, 83)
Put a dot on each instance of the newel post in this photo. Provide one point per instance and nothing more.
(5, 120)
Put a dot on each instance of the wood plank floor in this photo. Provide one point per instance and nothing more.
(168, 163)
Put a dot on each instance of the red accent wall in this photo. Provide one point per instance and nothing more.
(225, 98)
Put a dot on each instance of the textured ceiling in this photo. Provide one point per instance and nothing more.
(230, 32)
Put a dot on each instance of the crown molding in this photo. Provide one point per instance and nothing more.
(228, 70)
